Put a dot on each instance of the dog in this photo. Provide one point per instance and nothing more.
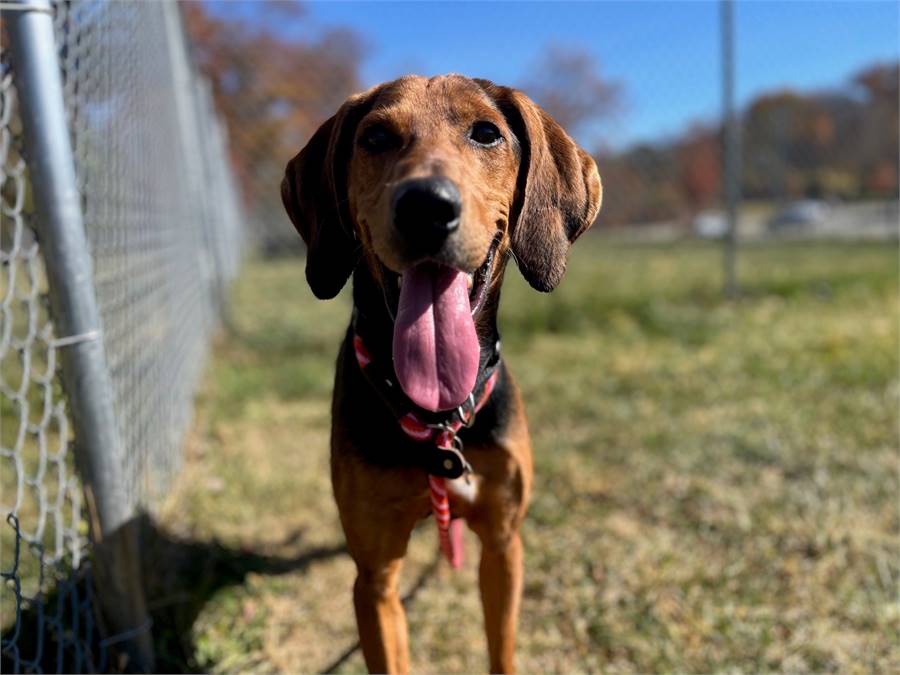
(422, 189)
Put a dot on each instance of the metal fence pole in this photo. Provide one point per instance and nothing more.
(731, 149)
(98, 450)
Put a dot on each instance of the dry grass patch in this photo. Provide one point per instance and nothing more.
(715, 482)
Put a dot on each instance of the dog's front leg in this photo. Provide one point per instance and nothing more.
(378, 511)
(380, 617)
(500, 578)
(500, 581)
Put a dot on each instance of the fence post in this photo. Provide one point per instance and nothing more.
(731, 150)
(99, 452)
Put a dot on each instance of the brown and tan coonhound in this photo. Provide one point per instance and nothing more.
(422, 189)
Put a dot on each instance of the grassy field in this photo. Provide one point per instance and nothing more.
(716, 482)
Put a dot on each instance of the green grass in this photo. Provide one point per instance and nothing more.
(715, 482)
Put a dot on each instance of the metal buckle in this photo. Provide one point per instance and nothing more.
(439, 426)
(460, 410)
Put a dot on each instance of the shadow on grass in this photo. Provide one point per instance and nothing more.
(182, 575)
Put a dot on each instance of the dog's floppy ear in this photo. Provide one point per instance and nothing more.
(314, 193)
(558, 189)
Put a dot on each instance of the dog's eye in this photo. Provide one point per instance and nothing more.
(377, 139)
(485, 133)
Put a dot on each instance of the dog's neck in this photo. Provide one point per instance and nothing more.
(375, 297)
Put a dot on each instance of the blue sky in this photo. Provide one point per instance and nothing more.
(665, 54)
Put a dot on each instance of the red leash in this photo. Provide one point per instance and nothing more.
(444, 437)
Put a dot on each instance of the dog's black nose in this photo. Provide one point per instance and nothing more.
(426, 211)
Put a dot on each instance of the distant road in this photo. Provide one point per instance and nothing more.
(872, 220)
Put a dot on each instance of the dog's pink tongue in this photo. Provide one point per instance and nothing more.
(435, 346)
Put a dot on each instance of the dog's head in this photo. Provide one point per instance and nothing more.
(432, 179)
(433, 170)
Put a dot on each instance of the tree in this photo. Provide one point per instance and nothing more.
(699, 167)
(567, 84)
(879, 134)
(272, 90)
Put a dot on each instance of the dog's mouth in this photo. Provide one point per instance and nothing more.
(477, 281)
(435, 348)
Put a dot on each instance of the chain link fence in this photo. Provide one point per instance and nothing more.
(163, 226)
(44, 535)
(160, 215)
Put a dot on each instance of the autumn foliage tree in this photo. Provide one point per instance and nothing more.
(880, 131)
(699, 168)
(838, 143)
(273, 88)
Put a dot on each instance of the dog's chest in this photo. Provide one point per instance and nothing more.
(463, 490)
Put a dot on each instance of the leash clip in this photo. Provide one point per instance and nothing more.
(454, 441)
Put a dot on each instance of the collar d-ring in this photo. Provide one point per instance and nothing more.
(467, 420)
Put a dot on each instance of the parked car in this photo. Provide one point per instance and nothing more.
(805, 213)
(710, 225)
